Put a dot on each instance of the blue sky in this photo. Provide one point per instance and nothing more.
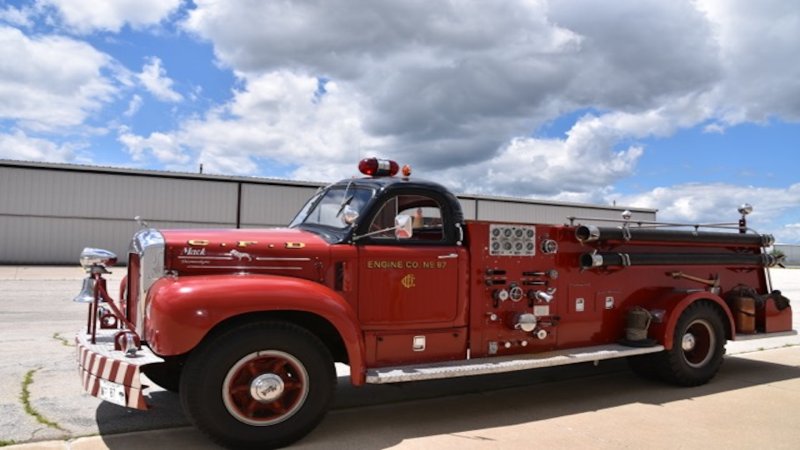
(689, 107)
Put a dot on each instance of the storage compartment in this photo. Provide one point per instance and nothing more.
(398, 348)
(770, 319)
(744, 314)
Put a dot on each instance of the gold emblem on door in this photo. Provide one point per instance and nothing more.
(408, 281)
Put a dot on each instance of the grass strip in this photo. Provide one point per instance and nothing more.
(64, 341)
(25, 398)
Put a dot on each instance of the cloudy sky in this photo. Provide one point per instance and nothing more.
(691, 107)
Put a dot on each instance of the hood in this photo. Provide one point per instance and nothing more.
(283, 251)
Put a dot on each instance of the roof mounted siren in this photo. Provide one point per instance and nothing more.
(375, 167)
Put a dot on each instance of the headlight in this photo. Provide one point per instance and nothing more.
(97, 257)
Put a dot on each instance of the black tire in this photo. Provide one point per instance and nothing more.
(264, 385)
(698, 348)
(166, 374)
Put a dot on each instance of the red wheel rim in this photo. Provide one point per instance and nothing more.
(265, 388)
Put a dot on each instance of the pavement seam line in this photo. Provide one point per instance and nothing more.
(24, 397)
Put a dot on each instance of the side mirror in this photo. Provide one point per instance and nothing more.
(349, 215)
(403, 227)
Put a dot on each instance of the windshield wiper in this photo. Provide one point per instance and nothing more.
(344, 204)
(345, 199)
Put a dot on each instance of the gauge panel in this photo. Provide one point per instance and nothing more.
(512, 240)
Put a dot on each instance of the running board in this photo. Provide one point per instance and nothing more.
(501, 364)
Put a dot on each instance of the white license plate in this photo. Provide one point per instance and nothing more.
(112, 392)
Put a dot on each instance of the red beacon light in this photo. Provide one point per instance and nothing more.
(378, 167)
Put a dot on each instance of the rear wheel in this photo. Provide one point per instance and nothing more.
(698, 347)
(264, 385)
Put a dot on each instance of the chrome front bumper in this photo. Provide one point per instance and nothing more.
(109, 374)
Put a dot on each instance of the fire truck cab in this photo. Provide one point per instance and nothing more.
(383, 273)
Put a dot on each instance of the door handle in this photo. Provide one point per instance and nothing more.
(450, 256)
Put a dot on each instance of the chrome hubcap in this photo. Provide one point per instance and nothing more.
(688, 342)
(266, 388)
(699, 343)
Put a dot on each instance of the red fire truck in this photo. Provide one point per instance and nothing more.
(382, 273)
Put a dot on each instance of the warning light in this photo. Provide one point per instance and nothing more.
(406, 171)
(378, 167)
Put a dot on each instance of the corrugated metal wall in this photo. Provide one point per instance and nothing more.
(50, 212)
(49, 216)
(272, 204)
(533, 211)
(792, 253)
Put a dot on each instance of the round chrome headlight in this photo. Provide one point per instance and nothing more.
(97, 257)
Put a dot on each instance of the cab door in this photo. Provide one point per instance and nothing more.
(404, 286)
(411, 291)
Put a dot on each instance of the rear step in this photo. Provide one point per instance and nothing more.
(500, 364)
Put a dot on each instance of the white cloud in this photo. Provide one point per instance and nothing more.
(714, 128)
(457, 89)
(20, 17)
(154, 78)
(581, 167)
(461, 86)
(423, 72)
(578, 168)
(87, 16)
(133, 106)
(789, 233)
(53, 82)
(759, 43)
(18, 145)
(718, 202)
(454, 83)
(450, 86)
(275, 117)
(158, 145)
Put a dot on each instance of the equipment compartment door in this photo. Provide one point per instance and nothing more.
(404, 286)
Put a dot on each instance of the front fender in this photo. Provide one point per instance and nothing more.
(182, 310)
(674, 304)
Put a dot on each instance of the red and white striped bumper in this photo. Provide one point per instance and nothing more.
(110, 375)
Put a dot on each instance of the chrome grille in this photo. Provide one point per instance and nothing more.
(149, 245)
(133, 287)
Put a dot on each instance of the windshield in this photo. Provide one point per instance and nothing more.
(326, 208)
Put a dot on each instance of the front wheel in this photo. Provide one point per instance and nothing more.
(698, 348)
(166, 374)
(265, 385)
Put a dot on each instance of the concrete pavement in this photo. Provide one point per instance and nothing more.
(753, 402)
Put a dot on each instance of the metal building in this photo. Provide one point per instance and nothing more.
(792, 253)
(50, 212)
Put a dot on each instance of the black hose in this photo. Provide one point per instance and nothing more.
(590, 260)
(590, 233)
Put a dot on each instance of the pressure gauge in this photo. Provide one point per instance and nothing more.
(515, 293)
